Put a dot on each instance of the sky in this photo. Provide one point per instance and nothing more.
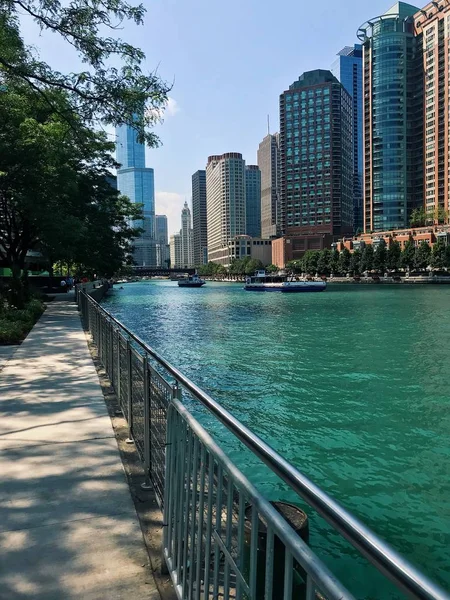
(228, 63)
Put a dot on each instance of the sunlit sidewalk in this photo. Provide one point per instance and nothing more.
(68, 527)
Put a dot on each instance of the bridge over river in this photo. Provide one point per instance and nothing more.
(160, 271)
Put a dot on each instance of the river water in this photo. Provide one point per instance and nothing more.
(351, 385)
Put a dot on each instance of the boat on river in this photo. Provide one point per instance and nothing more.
(263, 282)
(192, 281)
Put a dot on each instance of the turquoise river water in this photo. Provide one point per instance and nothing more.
(352, 386)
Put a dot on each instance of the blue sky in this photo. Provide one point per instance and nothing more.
(228, 61)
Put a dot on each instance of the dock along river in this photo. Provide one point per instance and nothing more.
(352, 386)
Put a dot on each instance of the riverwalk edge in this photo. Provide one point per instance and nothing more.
(68, 528)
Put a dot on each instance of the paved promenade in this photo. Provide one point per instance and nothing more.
(68, 527)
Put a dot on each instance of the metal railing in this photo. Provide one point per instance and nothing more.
(213, 516)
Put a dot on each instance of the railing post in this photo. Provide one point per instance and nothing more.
(130, 394)
(170, 493)
(118, 392)
(100, 336)
(111, 353)
(147, 458)
(176, 392)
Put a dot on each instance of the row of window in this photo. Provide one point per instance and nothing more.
(311, 93)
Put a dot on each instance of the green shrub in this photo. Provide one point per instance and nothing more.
(13, 332)
(36, 308)
(19, 315)
(16, 323)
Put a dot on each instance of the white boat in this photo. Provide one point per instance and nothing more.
(263, 282)
(191, 281)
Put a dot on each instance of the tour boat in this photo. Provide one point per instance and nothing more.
(191, 281)
(262, 282)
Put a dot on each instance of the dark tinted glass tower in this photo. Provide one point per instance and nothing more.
(199, 230)
(348, 69)
(253, 200)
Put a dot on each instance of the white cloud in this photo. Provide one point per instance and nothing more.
(172, 107)
(168, 109)
(170, 204)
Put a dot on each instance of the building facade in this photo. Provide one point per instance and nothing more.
(162, 241)
(136, 182)
(225, 202)
(316, 157)
(175, 251)
(393, 119)
(253, 200)
(199, 221)
(268, 163)
(187, 249)
(432, 31)
(348, 70)
(243, 246)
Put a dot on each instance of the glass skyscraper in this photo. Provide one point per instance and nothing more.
(136, 182)
(199, 218)
(162, 241)
(393, 119)
(348, 69)
(253, 200)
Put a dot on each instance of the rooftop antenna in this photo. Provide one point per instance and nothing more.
(268, 125)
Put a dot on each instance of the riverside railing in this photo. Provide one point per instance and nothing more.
(221, 537)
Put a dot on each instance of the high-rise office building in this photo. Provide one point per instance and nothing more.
(187, 250)
(316, 161)
(162, 241)
(199, 222)
(268, 165)
(253, 200)
(432, 30)
(161, 234)
(176, 261)
(136, 182)
(348, 69)
(225, 203)
(393, 119)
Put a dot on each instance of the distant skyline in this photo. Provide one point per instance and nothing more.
(228, 62)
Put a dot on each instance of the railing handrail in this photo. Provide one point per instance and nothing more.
(325, 579)
(388, 561)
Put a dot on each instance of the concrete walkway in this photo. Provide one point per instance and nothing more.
(5, 354)
(68, 527)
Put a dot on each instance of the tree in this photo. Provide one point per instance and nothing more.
(439, 255)
(323, 264)
(334, 262)
(393, 256)
(418, 217)
(408, 254)
(355, 262)
(253, 265)
(422, 256)
(295, 265)
(272, 268)
(310, 260)
(367, 258)
(112, 89)
(344, 261)
(54, 195)
(379, 258)
(210, 269)
(437, 215)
